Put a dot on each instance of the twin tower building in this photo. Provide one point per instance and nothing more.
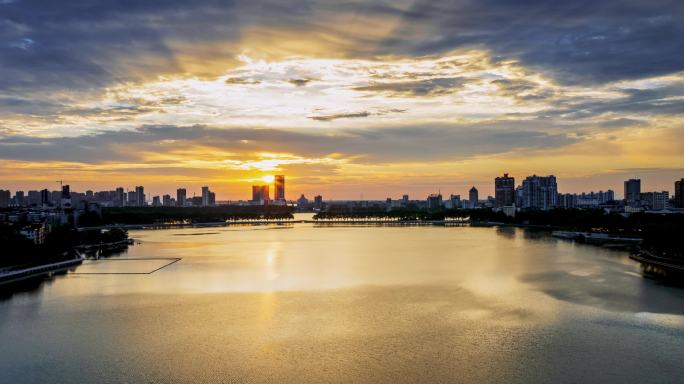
(261, 193)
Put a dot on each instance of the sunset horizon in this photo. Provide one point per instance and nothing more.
(342, 191)
(381, 99)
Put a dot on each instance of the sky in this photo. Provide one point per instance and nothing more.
(348, 99)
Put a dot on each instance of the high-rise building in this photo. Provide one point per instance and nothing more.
(19, 198)
(279, 186)
(44, 197)
(5, 196)
(140, 196)
(181, 196)
(166, 200)
(212, 198)
(504, 191)
(434, 201)
(33, 198)
(318, 202)
(679, 193)
(455, 201)
(656, 201)
(66, 197)
(260, 193)
(540, 192)
(132, 199)
(302, 202)
(156, 201)
(119, 197)
(205, 196)
(473, 197)
(632, 191)
(66, 192)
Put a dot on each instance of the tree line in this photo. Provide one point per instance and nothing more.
(167, 215)
(58, 245)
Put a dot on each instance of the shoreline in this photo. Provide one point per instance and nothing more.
(265, 222)
(39, 270)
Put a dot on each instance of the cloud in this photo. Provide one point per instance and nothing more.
(340, 116)
(522, 89)
(422, 88)
(89, 44)
(399, 144)
(241, 81)
(574, 43)
(348, 115)
(299, 82)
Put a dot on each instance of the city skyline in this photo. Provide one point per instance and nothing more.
(344, 98)
(506, 193)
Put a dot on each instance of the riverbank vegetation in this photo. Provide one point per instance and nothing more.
(58, 245)
(167, 215)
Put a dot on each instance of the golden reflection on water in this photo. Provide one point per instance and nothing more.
(352, 304)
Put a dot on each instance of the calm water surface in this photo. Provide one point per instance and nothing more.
(305, 304)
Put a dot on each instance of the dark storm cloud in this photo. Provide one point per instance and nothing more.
(91, 43)
(574, 41)
(414, 143)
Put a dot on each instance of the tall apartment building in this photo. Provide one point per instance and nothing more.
(205, 196)
(140, 196)
(279, 188)
(181, 196)
(540, 192)
(473, 197)
(632, 191)
(504, 191)
(679, 193)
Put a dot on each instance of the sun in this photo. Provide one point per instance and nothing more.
(268, 178)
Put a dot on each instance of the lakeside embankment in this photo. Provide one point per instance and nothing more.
(62, 248)
(14, 275)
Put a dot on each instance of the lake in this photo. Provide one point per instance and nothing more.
(305, 303)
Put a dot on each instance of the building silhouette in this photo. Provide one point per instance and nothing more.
(140, 196)
(632, 191)
(540, 192)
(504, 191)
(181, 197)
(119, 197)
(434, 201)
(260, 194)
(205, 196)
(656, 201)
(5, 196)
(279, 188)
(679, 193)
(318, 202)
(473, 197)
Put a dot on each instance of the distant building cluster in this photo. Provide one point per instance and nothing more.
(119, 197)
(541, 193)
